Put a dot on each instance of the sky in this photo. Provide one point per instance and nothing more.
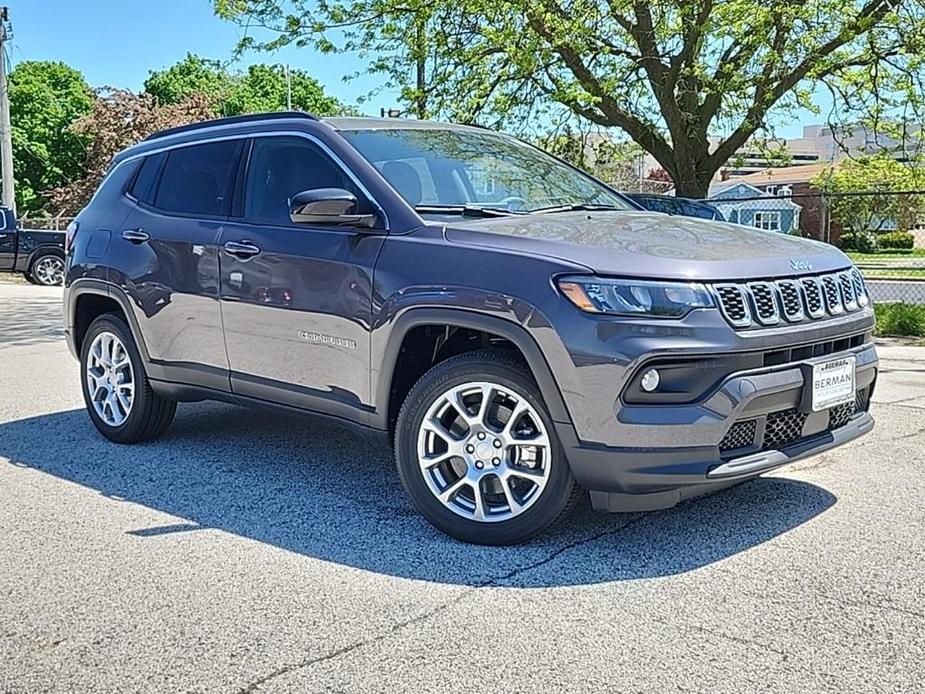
(118, 42)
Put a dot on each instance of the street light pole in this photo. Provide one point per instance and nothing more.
(6, 133)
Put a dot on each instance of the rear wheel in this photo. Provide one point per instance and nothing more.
(47, 270)
(116, 390)
(477, 452)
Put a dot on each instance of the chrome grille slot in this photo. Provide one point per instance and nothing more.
(765, 302)
(734, 304)
(860, 291)
(791, 299)
(813, 292)
(832, 294)
(847, 291)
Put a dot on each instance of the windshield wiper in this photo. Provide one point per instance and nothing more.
(465, 210)
(577, 207)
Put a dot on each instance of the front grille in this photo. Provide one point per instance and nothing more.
(758, 304)
(740, 435)
(785, 427)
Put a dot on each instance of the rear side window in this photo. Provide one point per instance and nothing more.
(198, 180)
(143, 187)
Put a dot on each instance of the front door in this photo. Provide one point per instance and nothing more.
(296, 299)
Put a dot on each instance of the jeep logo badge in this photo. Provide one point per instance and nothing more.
(801, 265)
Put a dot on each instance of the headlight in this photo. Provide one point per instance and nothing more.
(635, 297)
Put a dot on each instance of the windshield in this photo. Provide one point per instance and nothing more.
(436, 169)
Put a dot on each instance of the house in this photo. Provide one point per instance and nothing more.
(746, 204)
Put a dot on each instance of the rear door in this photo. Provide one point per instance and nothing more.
(166, 258)
(296, 306)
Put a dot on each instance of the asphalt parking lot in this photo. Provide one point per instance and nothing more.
(255, 552)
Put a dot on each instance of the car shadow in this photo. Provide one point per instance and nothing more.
(314, 488)
(31, 320)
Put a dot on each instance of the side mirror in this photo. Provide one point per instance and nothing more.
(327, 206)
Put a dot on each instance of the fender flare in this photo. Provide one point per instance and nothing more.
(462, 318)
(83, 286)
(45, 249)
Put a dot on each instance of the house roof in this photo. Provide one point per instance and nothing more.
(724, 197)
(782, 175)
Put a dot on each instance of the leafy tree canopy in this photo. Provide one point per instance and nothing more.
(120, 118)
(261, 88)
(45, 99)
(871, 191)
(669, 73)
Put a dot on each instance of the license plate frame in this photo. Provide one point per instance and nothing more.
(831, 382)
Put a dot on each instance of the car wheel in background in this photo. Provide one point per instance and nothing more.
(47, 270)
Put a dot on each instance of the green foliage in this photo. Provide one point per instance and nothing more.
(45, 99)
(260, 89)
(893, 240)
(596, 153)
(865, 193)
(667, 72)
(859, 242)
(900, 319)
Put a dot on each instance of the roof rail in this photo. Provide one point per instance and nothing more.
(250, 118)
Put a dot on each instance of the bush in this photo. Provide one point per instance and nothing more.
(900, 319)
(859, 242)
(899, 240)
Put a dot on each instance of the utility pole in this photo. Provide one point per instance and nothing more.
(288, 89)
(6, 133)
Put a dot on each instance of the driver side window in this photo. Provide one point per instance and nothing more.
(280, 167)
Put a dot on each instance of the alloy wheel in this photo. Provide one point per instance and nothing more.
(49, 270)
(110, 379)
(484, 452)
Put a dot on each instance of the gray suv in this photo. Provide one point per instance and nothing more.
(518, 330)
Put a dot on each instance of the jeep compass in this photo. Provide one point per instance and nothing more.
(516, 329)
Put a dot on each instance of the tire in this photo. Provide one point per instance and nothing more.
(47, 270)
(523, 490)
(148, 415)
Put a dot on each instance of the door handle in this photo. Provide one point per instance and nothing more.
(241, 249)
(135, 235)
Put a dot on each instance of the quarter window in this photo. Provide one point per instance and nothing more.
(279, 168)
(143, 187)
(198, 179)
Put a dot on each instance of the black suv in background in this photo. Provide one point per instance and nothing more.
(516, 328)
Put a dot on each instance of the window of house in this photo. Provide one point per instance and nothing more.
(769, 221)
(198, 179)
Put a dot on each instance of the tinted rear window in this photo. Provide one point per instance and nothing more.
(198, 179)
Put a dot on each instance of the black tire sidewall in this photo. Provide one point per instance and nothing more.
(131, 429)
(555, 497)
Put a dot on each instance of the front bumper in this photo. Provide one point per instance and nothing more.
(688, 450)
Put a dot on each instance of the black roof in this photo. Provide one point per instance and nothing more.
(250, 118)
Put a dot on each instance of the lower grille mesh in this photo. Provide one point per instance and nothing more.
(785, 427)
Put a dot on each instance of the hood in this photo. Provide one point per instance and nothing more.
(653, 245)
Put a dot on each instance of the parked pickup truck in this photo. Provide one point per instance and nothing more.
(36, 253)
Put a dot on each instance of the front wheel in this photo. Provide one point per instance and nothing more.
(47, 270)
(477, 452)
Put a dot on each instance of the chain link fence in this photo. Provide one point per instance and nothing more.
(882, 232)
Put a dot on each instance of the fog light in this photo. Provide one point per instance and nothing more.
(649, 380)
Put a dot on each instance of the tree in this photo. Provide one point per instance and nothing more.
(866, 193)
(120, 118)
(669, 73)
(261, 88)
(45, 99)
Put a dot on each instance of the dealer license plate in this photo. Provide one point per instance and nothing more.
(833, 383)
